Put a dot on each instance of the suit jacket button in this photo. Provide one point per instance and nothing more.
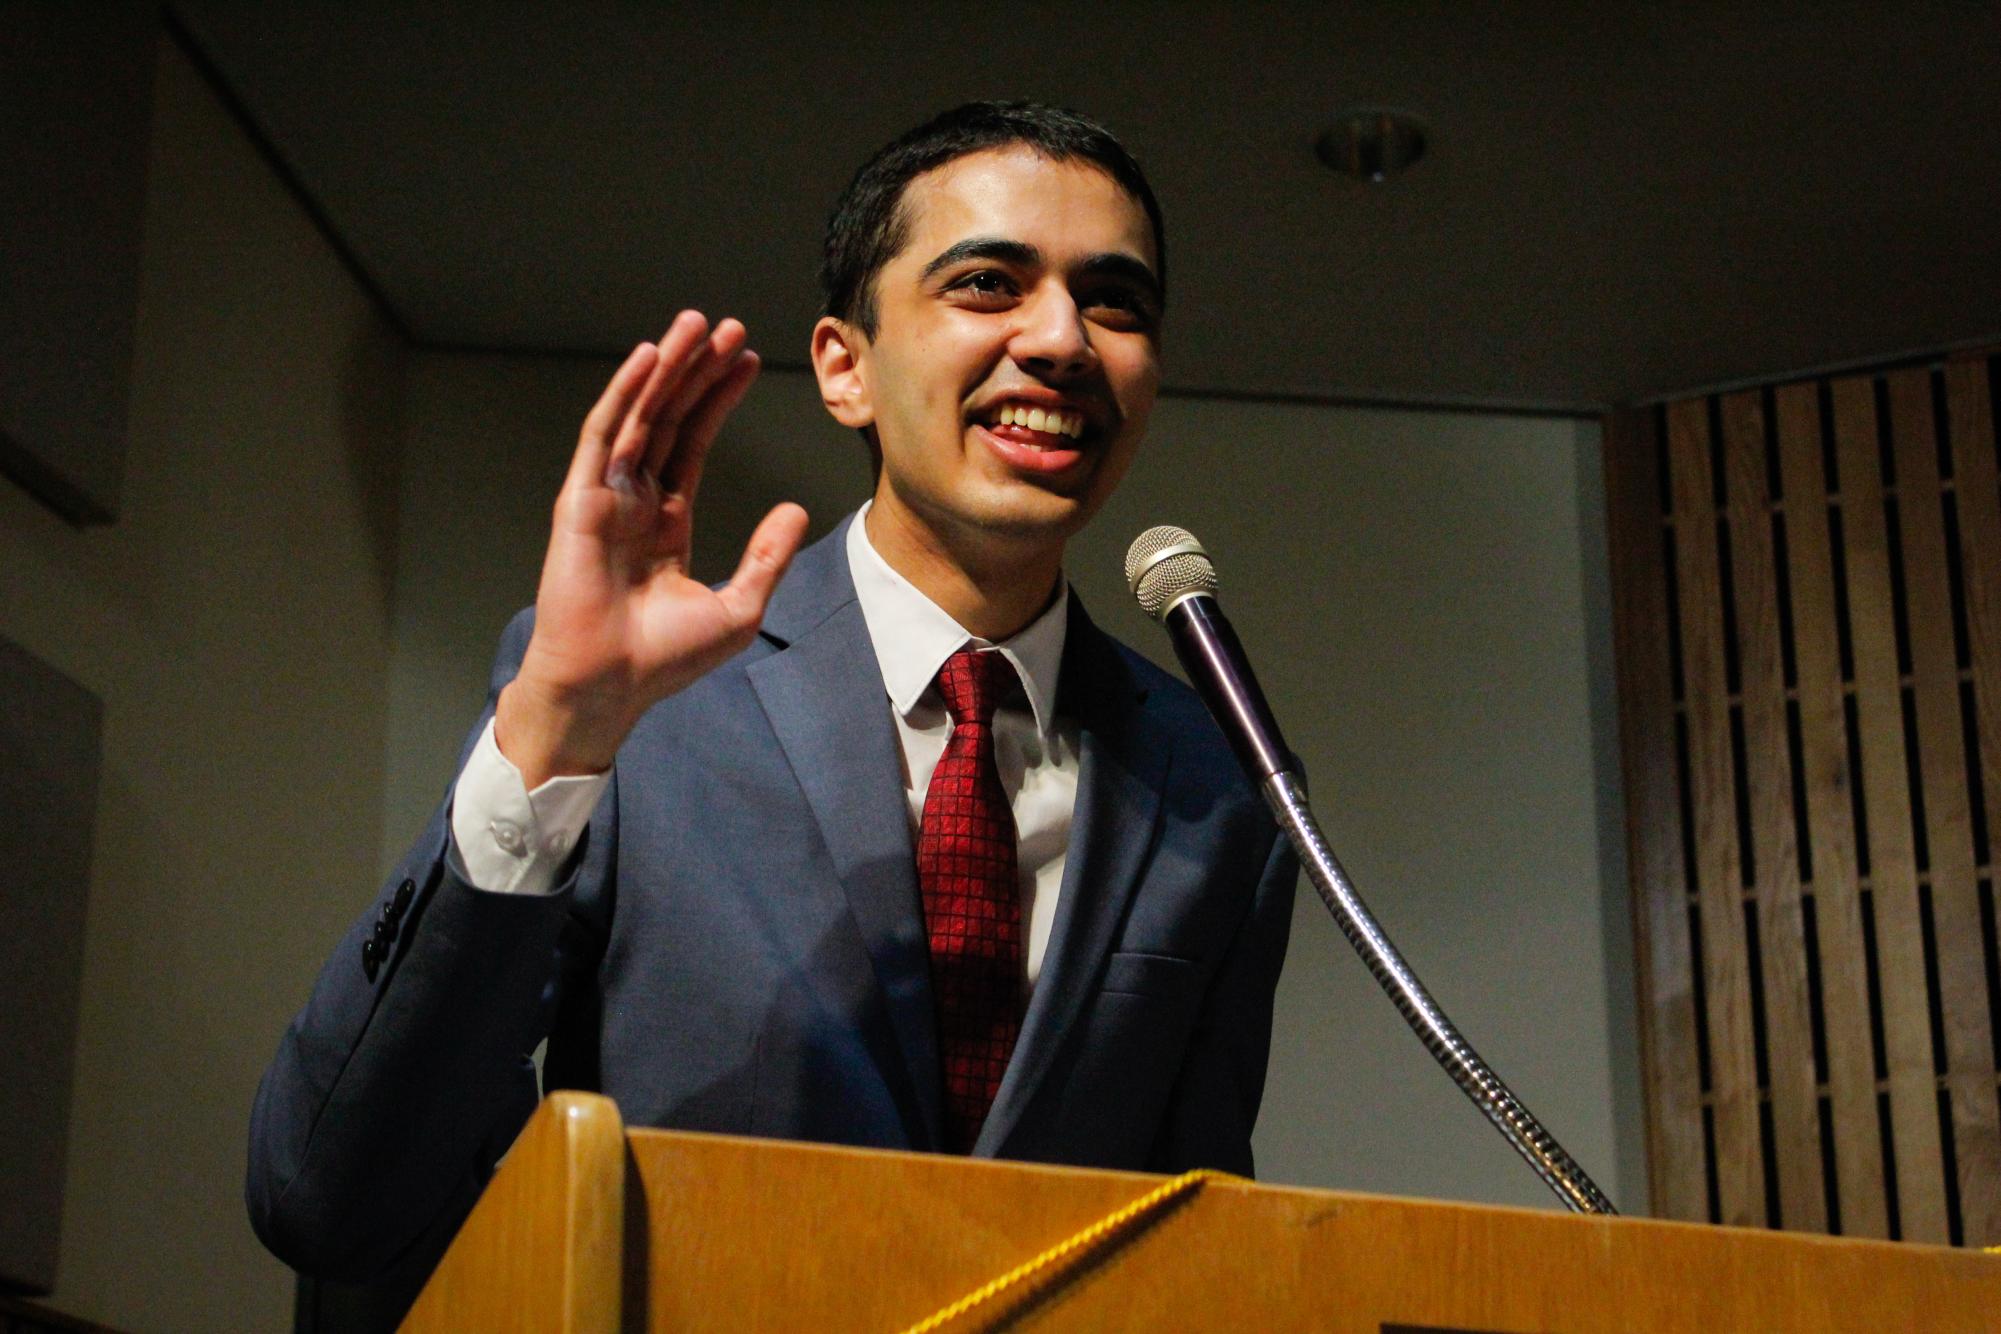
(385, 931)
(404, 893)
(371, 957)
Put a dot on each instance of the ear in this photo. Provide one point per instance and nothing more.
(840, 362)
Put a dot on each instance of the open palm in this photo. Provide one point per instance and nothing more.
(619, 623)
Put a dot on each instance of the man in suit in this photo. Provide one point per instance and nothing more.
(900, 851)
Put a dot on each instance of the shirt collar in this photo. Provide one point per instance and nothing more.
(914, 635)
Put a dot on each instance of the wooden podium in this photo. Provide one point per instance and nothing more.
(590, 1227)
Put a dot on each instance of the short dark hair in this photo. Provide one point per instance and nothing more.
(870, 224)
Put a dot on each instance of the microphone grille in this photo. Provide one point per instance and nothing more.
(1165, 564)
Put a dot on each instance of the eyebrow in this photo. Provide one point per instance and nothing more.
(1106, 264)
(984, 247)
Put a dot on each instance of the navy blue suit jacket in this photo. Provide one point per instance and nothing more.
(741, 948)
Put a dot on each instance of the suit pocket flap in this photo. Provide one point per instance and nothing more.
(1132, 973)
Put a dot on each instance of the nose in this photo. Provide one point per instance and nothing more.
(1052, 341)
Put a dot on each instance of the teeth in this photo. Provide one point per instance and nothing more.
(1053, 421)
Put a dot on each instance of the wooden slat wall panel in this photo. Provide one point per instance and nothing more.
(1676, 1176)
(1844, 976)
(1970, 411)
(1768, 773)
(1958, 956)
(1719, 880)
(1893, 871)
(1808, 590)
(1970, 414)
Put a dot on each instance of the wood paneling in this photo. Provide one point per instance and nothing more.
(1808, 617)
(1675, 1154)
(1955, 943)
(1886, 803)
(1712, 786)
(1830, 845)
(1768, 775)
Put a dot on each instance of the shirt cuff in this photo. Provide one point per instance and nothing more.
(511, 840)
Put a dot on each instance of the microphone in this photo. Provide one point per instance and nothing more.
(1175, 582)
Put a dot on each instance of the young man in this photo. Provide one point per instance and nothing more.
(900, 851)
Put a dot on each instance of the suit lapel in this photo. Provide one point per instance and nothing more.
(823, 695)
(1121, 775)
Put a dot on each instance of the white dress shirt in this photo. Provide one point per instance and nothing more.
(511, 840)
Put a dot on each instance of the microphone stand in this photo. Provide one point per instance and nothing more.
(1557, 1168)
(1215, 662)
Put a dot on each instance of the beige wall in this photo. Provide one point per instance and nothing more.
(235, 622)
(1423, 593)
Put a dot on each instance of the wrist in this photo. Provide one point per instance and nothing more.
(552, 733)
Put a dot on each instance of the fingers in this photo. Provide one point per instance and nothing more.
(683, 471)
(664, 405)
(684, 343)
(708, 364)
(765, 559)
(594, 444)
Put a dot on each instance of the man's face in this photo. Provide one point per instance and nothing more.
(1017, 350)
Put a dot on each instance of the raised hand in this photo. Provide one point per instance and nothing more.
(619, 625)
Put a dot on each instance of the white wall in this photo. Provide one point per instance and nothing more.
(1417, 590)
(235, 622)
(1424, 595)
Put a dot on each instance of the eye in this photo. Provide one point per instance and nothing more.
(984, 287)
(1120, 307)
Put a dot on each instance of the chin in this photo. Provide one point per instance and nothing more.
(1031, 514)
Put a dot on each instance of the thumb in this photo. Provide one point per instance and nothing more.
(765, 559)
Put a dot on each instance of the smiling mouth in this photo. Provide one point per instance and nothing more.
(1044, 428)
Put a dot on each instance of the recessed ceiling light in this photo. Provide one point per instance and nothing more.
(1371, 143)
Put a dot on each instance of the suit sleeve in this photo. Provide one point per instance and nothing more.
(1214, 1106)
(409, 1072)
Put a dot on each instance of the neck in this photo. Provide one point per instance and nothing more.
(992, 587)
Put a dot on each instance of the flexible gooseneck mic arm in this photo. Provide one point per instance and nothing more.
(1175, 582)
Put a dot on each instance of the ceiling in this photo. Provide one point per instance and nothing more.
(1620, 202)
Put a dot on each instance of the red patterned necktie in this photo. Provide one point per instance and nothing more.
(972, 896)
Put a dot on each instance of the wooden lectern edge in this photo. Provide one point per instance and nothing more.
(1145, 1181)
(562, 1194)
(543, 1247)
(594, 1137)
(1416, 1238)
